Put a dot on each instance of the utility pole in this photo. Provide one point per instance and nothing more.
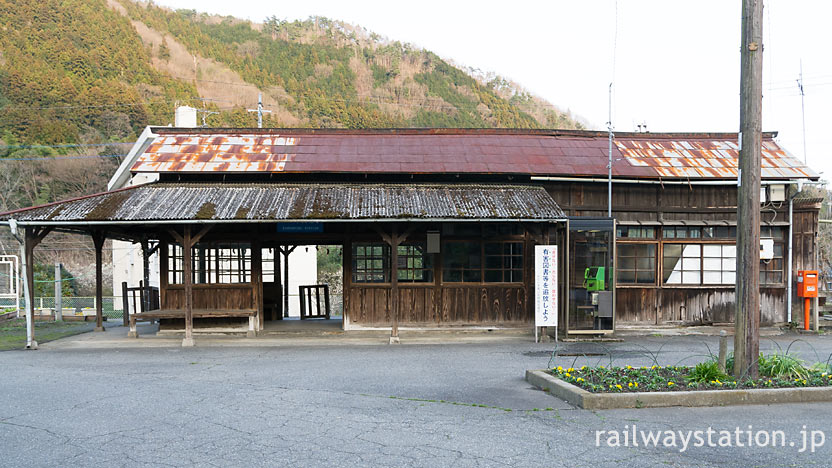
(260, 110)
(747, 312)
(609, 154)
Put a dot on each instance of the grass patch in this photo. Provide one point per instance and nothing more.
(776, 371)
(13, 332)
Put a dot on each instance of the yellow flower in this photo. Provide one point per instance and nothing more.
(568, 374)
(635, 384)
(560, 369)
(583, 367)
(630, 384)
(629, 367)
(570, 370)
(670, 384)
(618, 386)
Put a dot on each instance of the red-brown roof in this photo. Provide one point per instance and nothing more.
(433, 151)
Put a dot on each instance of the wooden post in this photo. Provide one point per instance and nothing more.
(28, 247)
(279, 284)
(326, 300)
(257, 283)
(147, 252)
(346, 274)
(747, 312)
(394, 284)
(394, 240)
(188, 241)
(98, 238)
(286, 251)
(187, 245)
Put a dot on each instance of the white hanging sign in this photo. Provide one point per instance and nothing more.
(546, 285)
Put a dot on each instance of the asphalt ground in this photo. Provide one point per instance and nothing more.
(318, 401)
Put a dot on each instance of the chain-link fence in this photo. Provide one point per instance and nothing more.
(111, 306)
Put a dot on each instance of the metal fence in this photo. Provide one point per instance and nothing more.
(82, 305)
(112, 305)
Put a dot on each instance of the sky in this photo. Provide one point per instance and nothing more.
(674, 65)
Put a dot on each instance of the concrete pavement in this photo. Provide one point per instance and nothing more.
(359, 403)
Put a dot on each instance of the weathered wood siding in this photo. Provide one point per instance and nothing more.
(662, 304)
(451, 305)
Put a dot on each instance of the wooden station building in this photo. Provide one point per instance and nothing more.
(438, 226)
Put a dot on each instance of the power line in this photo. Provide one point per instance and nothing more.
(68, 145)
(35, 158)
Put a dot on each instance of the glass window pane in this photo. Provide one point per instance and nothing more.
(691, 277)
(692, 250)
(645, 263)
(471, 276)
(493, 276)
(626, 276)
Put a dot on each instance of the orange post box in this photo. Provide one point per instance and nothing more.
(807, 288)
(807, 283)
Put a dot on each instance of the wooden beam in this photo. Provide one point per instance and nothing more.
(176, 236)
(201, 233)
(98, 238)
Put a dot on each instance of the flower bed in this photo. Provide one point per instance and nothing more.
(602, 379)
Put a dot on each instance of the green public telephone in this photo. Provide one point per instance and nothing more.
(594, 279)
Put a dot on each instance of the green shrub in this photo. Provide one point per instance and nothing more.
(705, 372)
(782, 365)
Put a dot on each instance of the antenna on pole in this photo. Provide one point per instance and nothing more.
(802, 110)
(259, 110)
(609, 154)
(205, 112)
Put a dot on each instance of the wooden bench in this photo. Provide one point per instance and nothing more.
(197, 313)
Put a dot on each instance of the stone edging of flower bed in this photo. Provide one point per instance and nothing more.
(545, 381)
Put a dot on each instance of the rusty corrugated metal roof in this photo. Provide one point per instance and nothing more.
(264, 202)
(698, 158)
(435, 151)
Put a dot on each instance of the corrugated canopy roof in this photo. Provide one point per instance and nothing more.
(169, 202)
(429, 151)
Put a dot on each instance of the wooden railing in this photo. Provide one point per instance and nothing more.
(141, 298)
